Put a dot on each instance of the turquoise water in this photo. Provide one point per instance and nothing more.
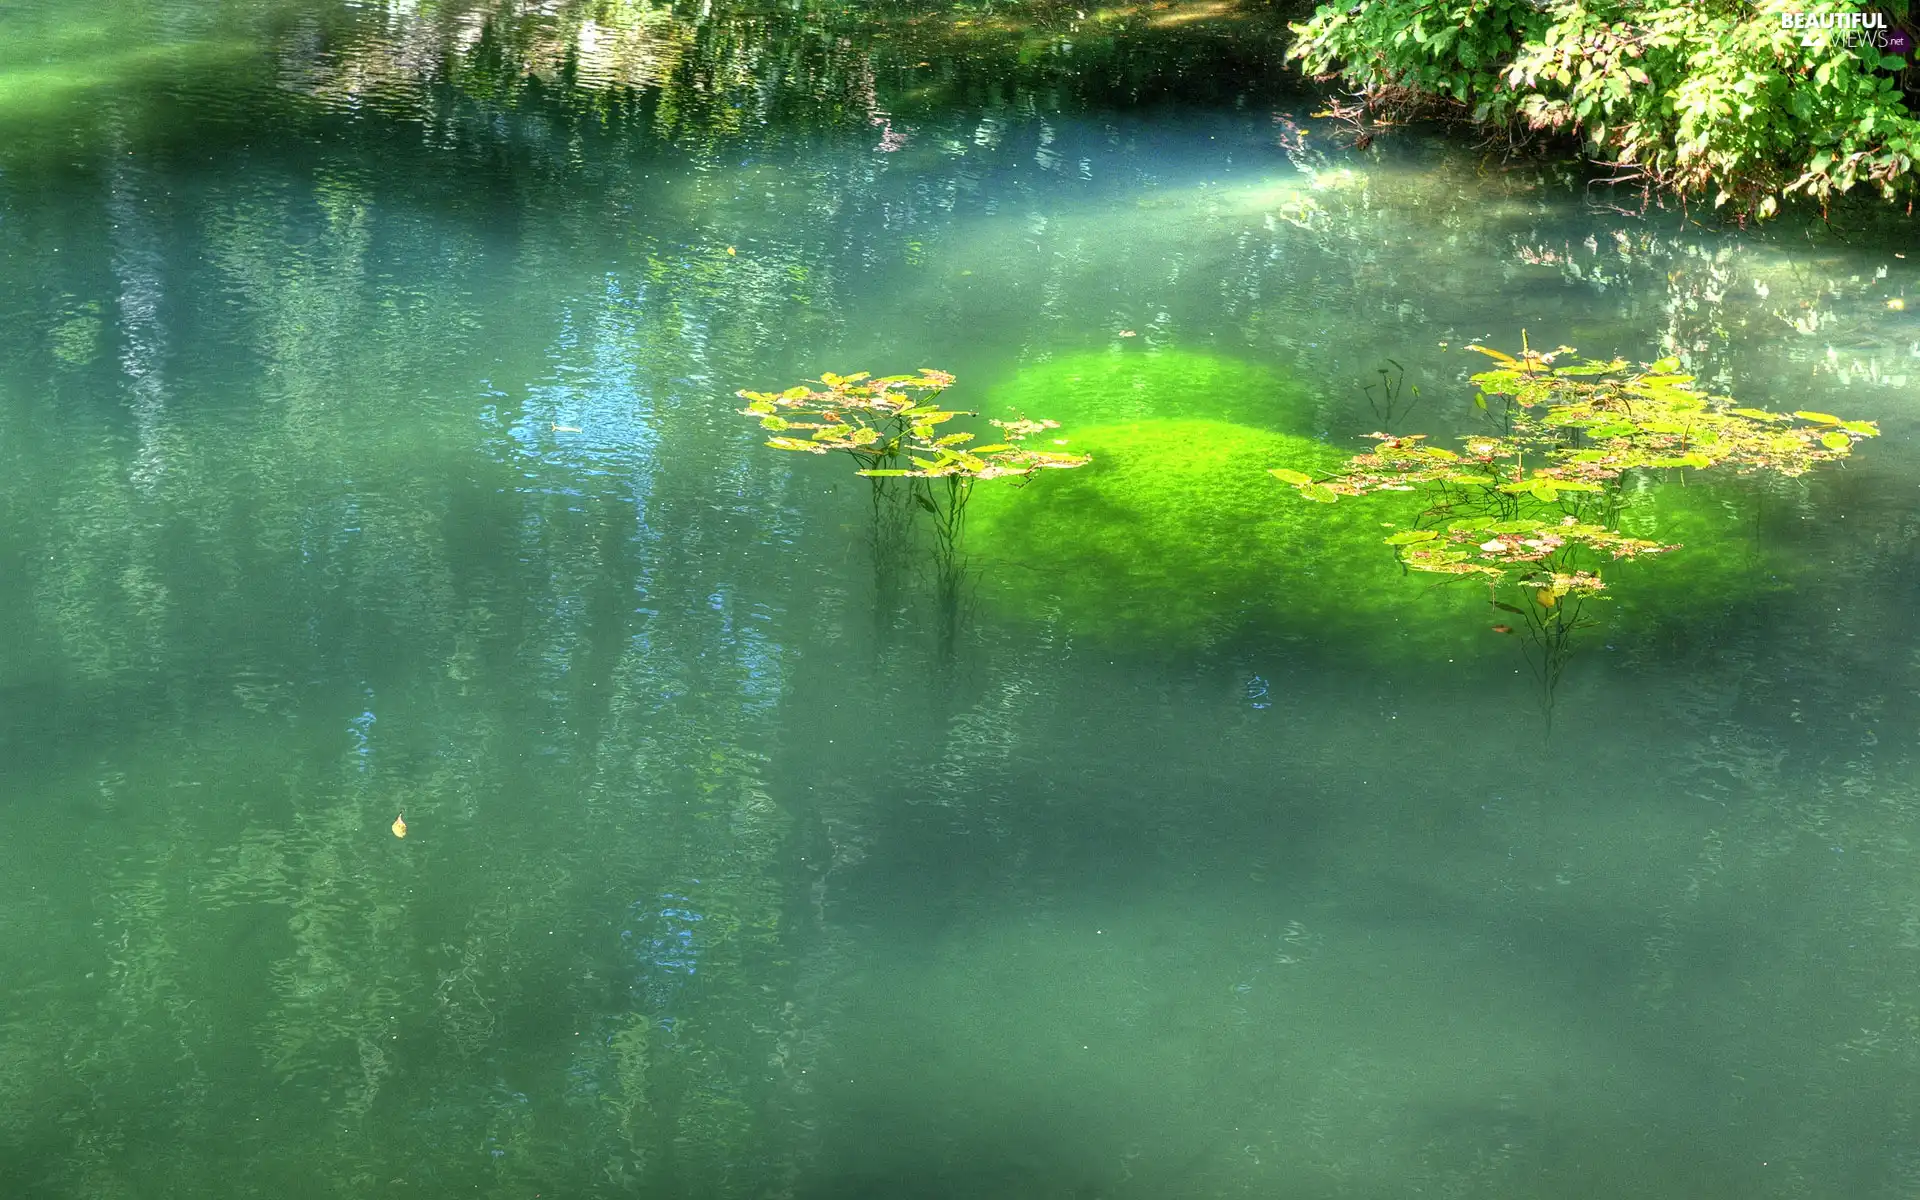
(368, 447)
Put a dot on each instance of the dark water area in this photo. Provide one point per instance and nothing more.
(369, 446)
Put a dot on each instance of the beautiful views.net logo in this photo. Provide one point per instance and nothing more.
(1855, 30)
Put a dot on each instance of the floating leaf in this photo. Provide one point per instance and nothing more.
(1822, 418)
(1320, 492)
(1496, 355)
(1835, 440)
(1288, 475)
(1410, 536)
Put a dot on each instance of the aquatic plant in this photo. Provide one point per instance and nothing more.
(1106, 387)
(1536, 507)
(1587, 428)
(892, 428)
(1171, 536)
(883, 423)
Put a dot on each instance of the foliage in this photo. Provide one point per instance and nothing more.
(1105, 387)
(892, 427)
(1535, 507)
(882, 422)
(1704, 100)
(1171, 537)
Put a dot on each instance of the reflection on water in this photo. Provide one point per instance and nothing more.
(367, 445)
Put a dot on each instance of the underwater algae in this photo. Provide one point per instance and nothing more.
(1176, 535)
(1109, 386)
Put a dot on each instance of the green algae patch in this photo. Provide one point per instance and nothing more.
(1110, 387)
(1176, 535)
(1723, 557)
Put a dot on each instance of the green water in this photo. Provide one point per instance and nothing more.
(367, 446)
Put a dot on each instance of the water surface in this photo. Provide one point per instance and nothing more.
(367, 445)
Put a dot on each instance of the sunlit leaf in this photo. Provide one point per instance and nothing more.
(1496, 355)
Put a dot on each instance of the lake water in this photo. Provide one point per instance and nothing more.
(368, 446)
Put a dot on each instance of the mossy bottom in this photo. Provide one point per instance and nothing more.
(1176, 535)
(1106, 387)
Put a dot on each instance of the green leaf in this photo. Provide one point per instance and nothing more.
(1410, 536)
(879, 472)
(775, 423)
(1820, 417)
(1835, 440)
(1287, 475)
(1320, 492)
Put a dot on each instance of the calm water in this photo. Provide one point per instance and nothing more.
(367, 445)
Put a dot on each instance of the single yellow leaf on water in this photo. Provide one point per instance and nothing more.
(400, 826)
(1546, 598)
(732, 253)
